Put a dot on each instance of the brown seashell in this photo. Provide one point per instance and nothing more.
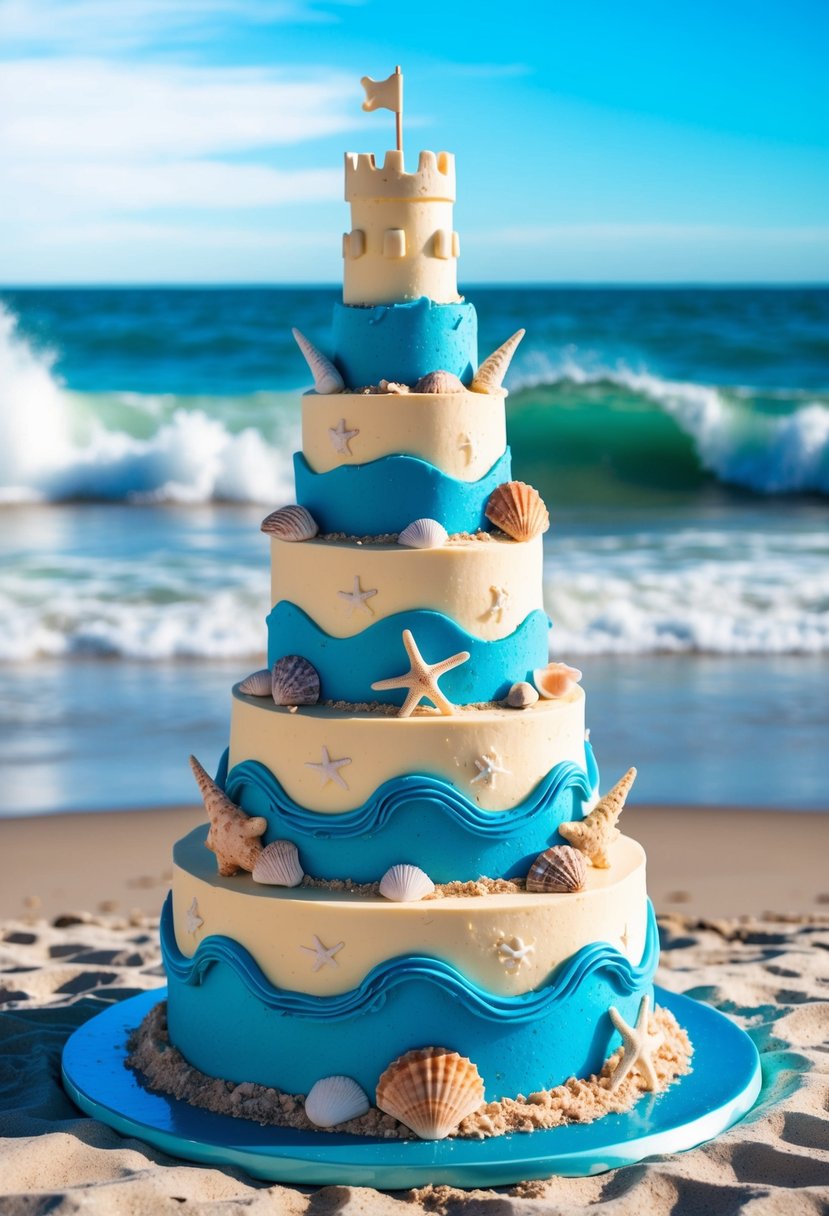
(560, 869)
(518, 510)
(234, 835)
(290, 523)
(295, 681)
(595, 834)
(257, 684)
(391, 386)
(327, 378)
(521, 696)
(490, 375)
(431, 1091)
(439, 382)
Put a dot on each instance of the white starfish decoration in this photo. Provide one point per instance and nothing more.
(194, 921)
(514, 954)
(487, 767)
(323, 955)
(357, 598)
(500, 595)
(466, 445)
(329, 770)
(625, 937)
(638, 1047)
(422, 679)
(341, 438)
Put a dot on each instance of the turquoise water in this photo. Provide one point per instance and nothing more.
(680, 438)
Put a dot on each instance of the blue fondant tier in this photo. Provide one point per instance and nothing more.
(229, 1020)
(385, 495)
(402, 342)
(347, 667)
(419, 819)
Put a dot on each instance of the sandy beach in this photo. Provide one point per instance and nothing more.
(742, 898)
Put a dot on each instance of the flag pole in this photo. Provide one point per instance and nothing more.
(399, 115)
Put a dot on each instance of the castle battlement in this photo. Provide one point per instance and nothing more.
(433, 179)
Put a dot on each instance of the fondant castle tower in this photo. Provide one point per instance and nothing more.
(408, 737)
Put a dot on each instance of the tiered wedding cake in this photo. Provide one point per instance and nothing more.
(412, 906)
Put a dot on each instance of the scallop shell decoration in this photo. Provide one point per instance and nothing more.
(278, 865)
(521, 696)
(560, 869)
(490, 375)
(439, 382)
(294, 681)
(518, 510)
(257, 684)
(556, 680)
(326, 377)
(405, 884)
(423, 534)
(334, 1100)
(290, 523)
(431, 1091)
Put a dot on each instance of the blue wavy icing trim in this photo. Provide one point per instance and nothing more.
(348, 666)
(385, 495)
(404, 341)
(564, 981)
(398, 792)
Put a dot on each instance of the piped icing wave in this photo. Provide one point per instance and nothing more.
(347, 667)
(385, 495)
(404, 341)
(419, 818)
(624, 976)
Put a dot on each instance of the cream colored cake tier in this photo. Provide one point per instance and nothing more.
(377, 747)
(486, 585)
(463, 433)
(507, 944)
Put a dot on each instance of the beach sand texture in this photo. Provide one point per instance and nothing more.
(768, 973)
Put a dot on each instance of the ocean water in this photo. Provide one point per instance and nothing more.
(680, 438)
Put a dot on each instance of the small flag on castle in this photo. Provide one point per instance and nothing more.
(386, 95)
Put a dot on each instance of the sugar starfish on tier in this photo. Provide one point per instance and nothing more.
(638, 1047)
(421, 679)
(514, 953)
(357, 598)
(323, 955)
(594, 834)
(233, 836)
(341, 438)
(194, 920)
(500, 595)
(328, 769)
(487, 767)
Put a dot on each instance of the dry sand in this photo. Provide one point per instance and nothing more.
(770, 973)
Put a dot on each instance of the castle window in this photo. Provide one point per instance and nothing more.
(443, 244)
(354, 243)
(394, 243)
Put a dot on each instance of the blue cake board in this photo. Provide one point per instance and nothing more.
(720, 1090)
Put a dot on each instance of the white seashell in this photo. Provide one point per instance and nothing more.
(405, 884)
(278, 865)
(521, 696)
(334, 1100)
(290, 523)
(326, 377)
(423, 534)
(439, 382)
(431, 1091)
(257, 684)
(294, 681)
(556, 680)
(391, 386)
(490, 375)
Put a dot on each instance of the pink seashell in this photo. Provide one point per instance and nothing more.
(556, 680)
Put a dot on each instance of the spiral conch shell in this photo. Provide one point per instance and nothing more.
(335, 1100)
(556, 680)
(326, 377)
(233, 836)
(439, 382)
(423, 534)
(560, 869)
(278, 865)
(431, 1091)
(594, 834)
(295, 681)
(290, 523)
(405, 883)
(518, 510)
(490, 375)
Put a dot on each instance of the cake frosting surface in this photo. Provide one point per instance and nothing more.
(408, 861)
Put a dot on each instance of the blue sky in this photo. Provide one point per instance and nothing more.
(600, 141)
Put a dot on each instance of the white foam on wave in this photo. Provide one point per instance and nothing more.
(51, 449)
(690, 591)
(770, 453)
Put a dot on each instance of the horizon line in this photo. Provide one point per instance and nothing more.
(486, 284)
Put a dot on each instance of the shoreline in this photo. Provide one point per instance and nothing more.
(705, 861)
